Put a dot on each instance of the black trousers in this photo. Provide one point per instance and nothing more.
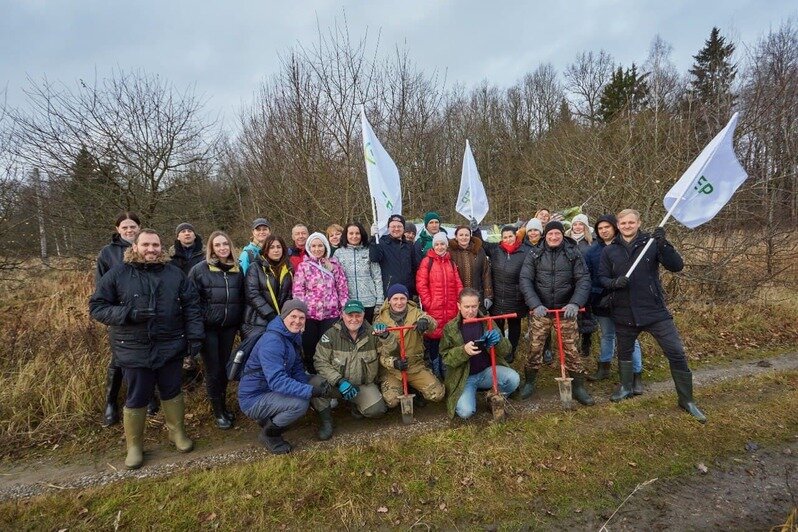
(216, 351)
(368, 315)
(666, 335)
(310, 337)
(141, 383)
(513, 330)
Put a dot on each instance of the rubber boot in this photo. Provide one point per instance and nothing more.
(683, 380)
(602, 372)
(579, 391)
(155, 405)
(134, 420)
(325, 424)
(271, 436)
(530, 378)
(637, 384)
(173, 412)
(217, 407)
(624, 390)
(587, 342)
(113, 383)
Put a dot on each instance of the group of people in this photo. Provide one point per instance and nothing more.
(325, 315)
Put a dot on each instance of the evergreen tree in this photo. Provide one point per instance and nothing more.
(626, 92)
(713, 73)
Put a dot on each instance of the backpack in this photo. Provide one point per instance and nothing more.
(237, 363)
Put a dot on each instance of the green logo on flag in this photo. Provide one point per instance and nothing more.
(388, 203)
(368, 153)
(704, 186)
(466, 197)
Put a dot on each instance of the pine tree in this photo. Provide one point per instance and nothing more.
(626, 92)
(713, 72)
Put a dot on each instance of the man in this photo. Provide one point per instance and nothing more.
(638, 304)
(410, 231)
(465, 351)
(187, 250)
(347, 357)
(274, 390)
(554, 276)
(261, 230)
(398, 311)
(432, 226)
(395, 255)
(296, 253)
(155, 318)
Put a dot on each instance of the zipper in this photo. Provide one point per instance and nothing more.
(226, 298)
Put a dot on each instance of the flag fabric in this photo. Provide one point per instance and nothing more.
(709, 183)
(472, 202)
(383, 177)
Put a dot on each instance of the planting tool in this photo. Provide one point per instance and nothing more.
(563, 381)
(405, 400)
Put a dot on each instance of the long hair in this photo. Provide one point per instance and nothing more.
(364, 239)
(210, 256)
(264, 252)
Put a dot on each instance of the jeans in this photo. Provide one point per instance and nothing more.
(608, 344)
(508, 381)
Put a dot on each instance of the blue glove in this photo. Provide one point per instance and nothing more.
(492, 338)
(347, 389)
(381, 330)
(570, 311)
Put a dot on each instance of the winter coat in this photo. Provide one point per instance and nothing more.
(275, 365)
(363, 277)
(414, 342)
(597, 291)
(473, 266)
(266, 291)
(296, 256)
(324, 291)
(185, 259)
(506, 270)
(136, 284)
(250, 254)
(397, 260)
(642, 302)
(582, 245)
(339, 357)
(458, 366)
(555, 277)
(221, 294)
(423, 244)
(110, 255)
(438, 284)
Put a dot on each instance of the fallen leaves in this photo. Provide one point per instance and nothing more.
(702, 468)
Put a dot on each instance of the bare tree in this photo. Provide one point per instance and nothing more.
(585, 79)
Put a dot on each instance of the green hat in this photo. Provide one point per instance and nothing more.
(352, 306)
(432, 215)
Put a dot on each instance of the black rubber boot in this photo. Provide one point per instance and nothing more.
(155, 404)
(587, 342)
(217, 407)
(530, 378)
(683, 380)
(602, 372)
(271, 436)
(579, 391)
(637, 384)
(325, 424)
(624, 390)
(113, 383)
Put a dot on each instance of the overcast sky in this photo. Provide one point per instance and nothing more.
(225, 49)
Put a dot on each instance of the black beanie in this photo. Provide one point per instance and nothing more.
(183, 227)
(554, 224)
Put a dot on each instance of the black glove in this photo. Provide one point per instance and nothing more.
(321, 390)
(473, 225)
(619, 282)
(659, 237)
(194, 348)
(140, 315)
(400, 364)
(422, 325)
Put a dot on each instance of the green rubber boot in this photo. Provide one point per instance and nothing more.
(683, 380)
(173, 412)
(602, 372)
(530, 378)
(579, 391)
(624, 390)
(134, 420)
(325, 424)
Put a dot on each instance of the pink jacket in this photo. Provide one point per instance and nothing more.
(325, 292)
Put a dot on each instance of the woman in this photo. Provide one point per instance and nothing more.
(220, 285)
(544, 215)
(438, 285)
(363, 277)
(334, 234)
(472, 264)
(320, 283)
(580, 232)
(267, 287)
(534, 234)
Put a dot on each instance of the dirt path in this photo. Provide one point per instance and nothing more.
(28, 479)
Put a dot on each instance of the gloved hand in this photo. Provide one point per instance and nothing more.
(348, 390)
(381, 330)
(422, 325)
(570, 311)
(540, 311)
(473, 225)
(140, 315)
(487, 303)
(619, 282)
(321, 390)
(375, 230)
(400, 364)
(492, 338)
(659, 234)
(194, 348)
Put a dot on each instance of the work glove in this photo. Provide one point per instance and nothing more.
(422, 325)
(381, 330)
(321, 390)
(491, 338)
(400, 364)
(348, 390)
(619, 282)
(487, 303)
(375, 230)
(140, 315)
(540, 311)
(570, 311)
(194, 348)
(473, 225)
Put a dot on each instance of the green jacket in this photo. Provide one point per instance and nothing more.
(456, 360)
(414, 341)
(339, 357)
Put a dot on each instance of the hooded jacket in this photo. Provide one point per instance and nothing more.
(110, 255)
(555, 277)
(324, 291)
(438, 284)
(363, 277)
(221, 293)
(185, 259)
(249, 255)
(397, 260)
(593, 261)
(473, 267)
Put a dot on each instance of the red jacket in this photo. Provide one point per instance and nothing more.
(438, 285)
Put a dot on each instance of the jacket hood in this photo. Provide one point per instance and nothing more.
(277, 325)
(117, 240)
(610, 219)
(134, 257)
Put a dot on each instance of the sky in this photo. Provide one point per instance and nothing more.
(224, 50)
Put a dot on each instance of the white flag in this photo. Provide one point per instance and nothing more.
(709, 183)
(471, 200)
(383, 177)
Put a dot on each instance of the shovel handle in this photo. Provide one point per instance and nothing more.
(402, 355)
(490, 319)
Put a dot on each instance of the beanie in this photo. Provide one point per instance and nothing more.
(440, 236)
(397, 289)
(432, 215)
(554, 225)
(396, 218)
(318, 236)
(535, 224)
(291, 305)
(410, 227)
(183, 227)
(580, 218)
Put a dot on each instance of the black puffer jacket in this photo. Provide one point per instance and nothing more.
(266, 292)
(221, 291)
(397, 260)
(642, 302)
(555, 277)
(110, 256)
(185, 259)
(136, 284)
(505, 269)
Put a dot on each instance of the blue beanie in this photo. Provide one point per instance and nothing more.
(397, 289)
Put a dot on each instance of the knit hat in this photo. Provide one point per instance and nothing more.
(554, 224)
(410, 227)
(535, 224)
(291, 305)
(396, 289)
(352, 306)
(610, 219)
(440, 236)
(183, 227)
(257, 222)
(432, 215)
(580, 218)
(319, 236)
(396, 218)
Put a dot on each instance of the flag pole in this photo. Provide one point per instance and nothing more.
(648, 244)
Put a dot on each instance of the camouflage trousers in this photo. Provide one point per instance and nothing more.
(422, 380)
(541, 327)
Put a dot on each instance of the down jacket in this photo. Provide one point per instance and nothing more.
(555, 277)
(438, 284)
(221, 293)
(110, 255)
(363, 277)
(506, 271)
(324, 291)
(397, 260)
(339, 357)
(185, 259)
(266, 291)
(138, 284)
(473, 266)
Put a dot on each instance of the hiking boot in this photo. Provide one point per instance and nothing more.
(217, 407)
(271, 436)
(113, 383)
(134, 420)
(637, 384)
(602, 372)
(624, 390)
(325, 424)
(154, 406)
(173, 413)
(579, 391)
(683, 380)
(530, 377)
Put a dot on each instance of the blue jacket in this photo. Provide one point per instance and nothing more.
(250, 250)
(275, 365)
(597, 291)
